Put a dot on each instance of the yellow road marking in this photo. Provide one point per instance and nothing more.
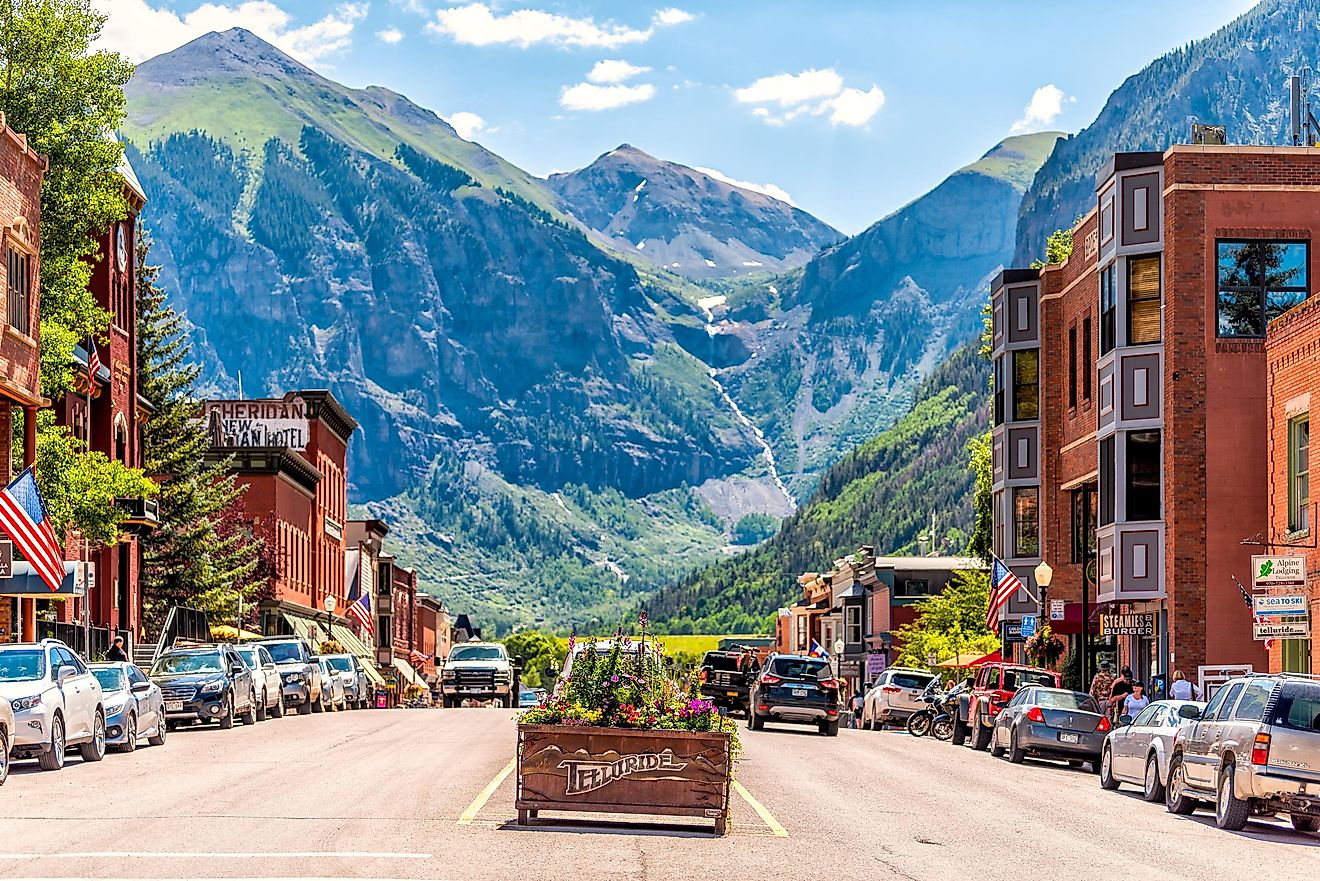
(484, 796)
(766, 817)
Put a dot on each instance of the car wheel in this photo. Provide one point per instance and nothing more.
(53, 759)
(278, 710)
(1153, 790)
(1107, 779)
(1231, 812)
(755, 721)
(959, 732)
(1301, 822)
(1015, 753)
(130, 734)
(1176, 800)
(981, 737)
(261, 708)
(227, 713)
(995, 749)
(306, 707)
(158, 739)
(249, 716)
(318, 705)
(4, 756)
(94, 749)
(829, 729)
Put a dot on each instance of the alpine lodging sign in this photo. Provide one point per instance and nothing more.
(1276, 572)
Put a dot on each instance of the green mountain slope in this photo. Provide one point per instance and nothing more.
(1236, 76)
(883, 493)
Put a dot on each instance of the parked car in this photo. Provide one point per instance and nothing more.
(6, 738)
(56, 702)
(1254, 749)
(995, 685)
(1137, 751)
(1050, 723)
(894, 696)
(796, 689)
(205, 684)
(357, 688)
(300, 674)
(527, 699)
(332, 686)
(134, 706)
(725, 678)
(266, 680)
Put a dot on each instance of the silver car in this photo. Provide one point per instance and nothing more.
(348, 669)
(267, 686)
(1137, 751)
(1052, 723)
(333, 696)
(134, 706)
(1254, 750)
(6, 738)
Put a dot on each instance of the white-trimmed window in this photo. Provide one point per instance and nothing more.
(1299, 473)
(852, 627)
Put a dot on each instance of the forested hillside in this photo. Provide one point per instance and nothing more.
(882, 493)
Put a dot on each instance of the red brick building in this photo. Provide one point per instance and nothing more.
(21, 173)
(1130, 399)
(290, 452)
(1292, 352)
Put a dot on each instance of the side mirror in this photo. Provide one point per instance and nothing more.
(140, 687)
(268, 666)
(1189, 712)
(236, 669)
(1124, 720)
(66, 673)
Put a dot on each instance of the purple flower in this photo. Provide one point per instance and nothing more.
(614, 678)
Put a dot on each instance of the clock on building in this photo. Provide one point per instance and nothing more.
(121, 248)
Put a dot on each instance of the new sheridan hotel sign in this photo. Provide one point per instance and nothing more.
(263, 423)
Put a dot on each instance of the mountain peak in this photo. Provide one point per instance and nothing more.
(235, 52)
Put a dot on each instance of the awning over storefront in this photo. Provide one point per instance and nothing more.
(299, 625)
(349, 640)
(407, 672)
(27, 583)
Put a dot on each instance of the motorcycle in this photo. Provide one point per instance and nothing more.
(936, 718)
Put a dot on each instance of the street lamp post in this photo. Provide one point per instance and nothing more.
(330, 603)
(1044, 575)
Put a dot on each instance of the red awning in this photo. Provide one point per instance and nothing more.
(996, 655)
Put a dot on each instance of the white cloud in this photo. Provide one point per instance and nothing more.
(588, 96)
(140, 30)
(390, 35)
(787, 89)
(816, 92)
(772, 190)
(467, 124)
(1044, 107)
(477, 25)
(614, 71)
(416, 7)
(671, 16)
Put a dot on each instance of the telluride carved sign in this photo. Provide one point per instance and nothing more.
(623, 771)
(263, 423)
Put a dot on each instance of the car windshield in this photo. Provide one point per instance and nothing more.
(1066, 700)
(1298, 706)
(22, 665)
(720, 661)
(477, 653)
(282, 652)
(249, 657)
(910, 680)
(111, 679)
(192, 662)
(799, 668)
(343, 665)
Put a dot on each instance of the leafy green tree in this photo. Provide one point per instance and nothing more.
(982, 501)
(200, 555)
(949, 622)
(754, 528)
(1058, 248)
(538, 651)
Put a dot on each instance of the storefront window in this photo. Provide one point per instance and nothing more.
(1296, 655)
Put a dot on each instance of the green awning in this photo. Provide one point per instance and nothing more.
(299, 625)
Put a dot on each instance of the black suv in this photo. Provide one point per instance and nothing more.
(205, 684)
(725, 677)
(795, 689)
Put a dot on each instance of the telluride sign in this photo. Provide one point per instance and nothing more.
(590, 776)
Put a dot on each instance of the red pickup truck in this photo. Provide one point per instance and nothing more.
(995, 686)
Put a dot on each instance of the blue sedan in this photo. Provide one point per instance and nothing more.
(134, 706)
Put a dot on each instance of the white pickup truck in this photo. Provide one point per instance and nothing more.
(478, 671)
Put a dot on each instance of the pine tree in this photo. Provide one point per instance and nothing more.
(203, 554)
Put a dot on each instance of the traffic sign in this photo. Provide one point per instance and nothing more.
(1056, 610)
(1267, 571)
(1279, 604)
(1028, 626)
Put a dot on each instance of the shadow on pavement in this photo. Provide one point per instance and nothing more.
(609, 827)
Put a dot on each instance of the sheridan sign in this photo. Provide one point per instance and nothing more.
(589, 776)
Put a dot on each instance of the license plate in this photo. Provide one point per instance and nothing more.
(732, 693)
(1067, 737)
(174, 706)
(799, 692)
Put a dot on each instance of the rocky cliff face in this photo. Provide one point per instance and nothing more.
(1235, 77)
(686, 221)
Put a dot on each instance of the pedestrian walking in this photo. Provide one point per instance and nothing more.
(1101, 683)
(1137, 701)
(855, 717)
(1119, 691)
(117, 652)
(1183, 689)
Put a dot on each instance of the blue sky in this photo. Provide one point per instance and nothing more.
(850, 108)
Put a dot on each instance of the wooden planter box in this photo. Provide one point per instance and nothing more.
(623, 771)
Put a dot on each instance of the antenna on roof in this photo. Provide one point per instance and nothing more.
(1303, 128)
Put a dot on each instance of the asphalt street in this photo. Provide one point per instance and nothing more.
(426, 794)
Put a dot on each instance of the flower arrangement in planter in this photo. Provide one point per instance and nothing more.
(1044, 648)
(620, 735)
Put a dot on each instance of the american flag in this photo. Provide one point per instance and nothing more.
(1003, 584)
(93, 362)
(1257, 619)
(360, 610)
(23, 518)
(419, 658)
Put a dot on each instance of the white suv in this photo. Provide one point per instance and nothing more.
(56, 703)
(894, 696)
